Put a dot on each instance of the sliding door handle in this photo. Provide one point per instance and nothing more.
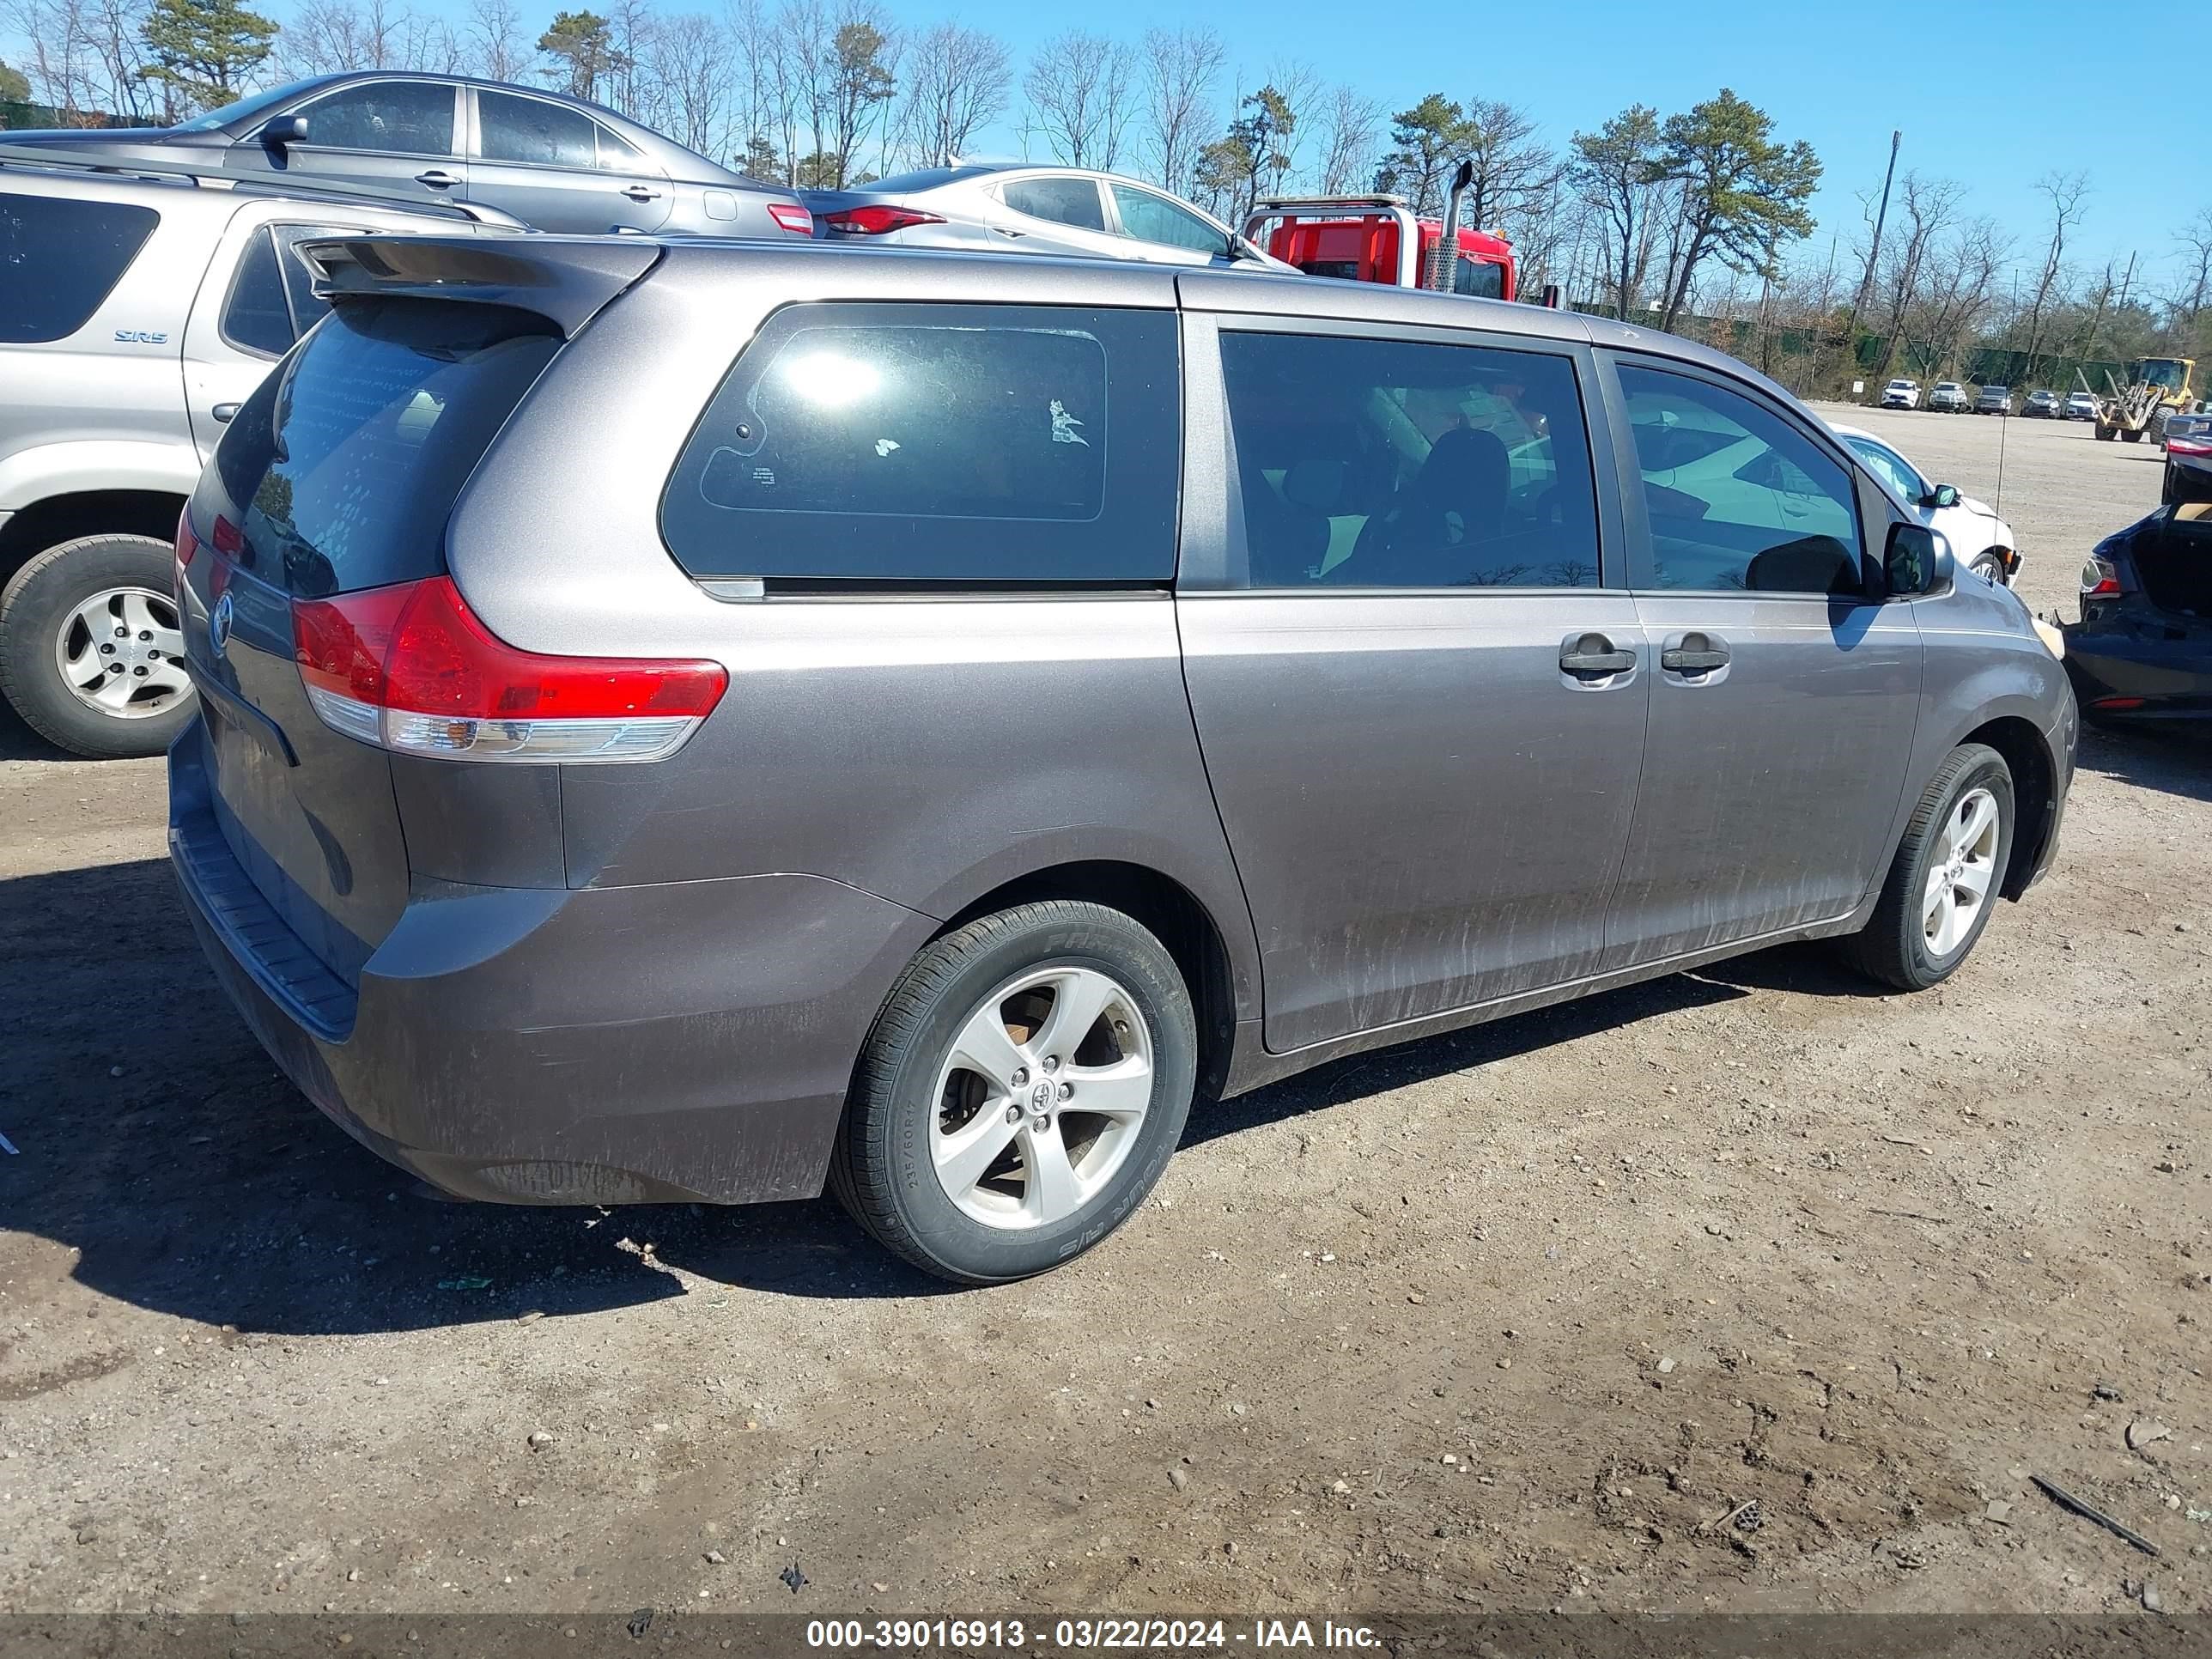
(1682, 661)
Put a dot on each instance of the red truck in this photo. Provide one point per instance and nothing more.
(1378, 239)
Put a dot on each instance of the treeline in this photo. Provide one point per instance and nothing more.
(1695, 221)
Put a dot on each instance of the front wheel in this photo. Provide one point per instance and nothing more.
(1945, 875)
(1991, 567)
(1023, 1089)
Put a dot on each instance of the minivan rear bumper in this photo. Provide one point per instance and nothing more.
(689, 1040)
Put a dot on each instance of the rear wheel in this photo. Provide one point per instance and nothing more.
(1024, 1087)
(91, 650)
(1944, 879)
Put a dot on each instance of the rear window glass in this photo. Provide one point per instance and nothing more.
(342, 468)
(938, 443)
(60, 259)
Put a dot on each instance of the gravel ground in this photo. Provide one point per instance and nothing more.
(1504, 1321)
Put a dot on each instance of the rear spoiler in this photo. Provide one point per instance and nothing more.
(565, 281)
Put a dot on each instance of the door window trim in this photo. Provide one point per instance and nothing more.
(453, 154)
(1216, 557)
(1641, 560)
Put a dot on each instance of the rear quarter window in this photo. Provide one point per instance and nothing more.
(60, 259)
(342, 468)
(938, 443)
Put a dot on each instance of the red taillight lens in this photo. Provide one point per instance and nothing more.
(411, 668)
(188, 545)
(878, 220)
(2187, 447)
(791, 217)
(2100, 579)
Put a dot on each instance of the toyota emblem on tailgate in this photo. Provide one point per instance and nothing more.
(219, 624)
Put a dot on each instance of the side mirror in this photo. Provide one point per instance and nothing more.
(1917, 561)
(1943, 495)
(281, 129)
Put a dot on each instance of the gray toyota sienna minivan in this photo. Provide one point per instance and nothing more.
(693, 722)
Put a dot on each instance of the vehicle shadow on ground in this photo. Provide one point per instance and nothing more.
(155, 1141)
(19, 743)
(2176, 760)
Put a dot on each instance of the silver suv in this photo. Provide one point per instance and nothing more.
(136, 313)
(688, 722)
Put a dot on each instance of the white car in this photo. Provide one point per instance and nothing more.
(1901, 394)
(1980, 540)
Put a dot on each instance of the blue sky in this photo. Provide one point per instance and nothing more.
(1991, 95)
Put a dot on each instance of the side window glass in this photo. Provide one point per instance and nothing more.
(1890, 468)
(618, 154)
(308, 309)
(401, 118)
(1479, 278)
(1737, 497)
(1150, 218)
(1396, 463)
(941, 443)
(255, 315)
(529, 131)
(1063, 201)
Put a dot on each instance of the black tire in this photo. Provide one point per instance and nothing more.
(881, 1171)
(1891, 946)
(1991, 567)
(33, 607)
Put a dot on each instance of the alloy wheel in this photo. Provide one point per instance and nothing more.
(121, 654)
(1961, 873)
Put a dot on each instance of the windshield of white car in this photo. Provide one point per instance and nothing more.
(1891, 467)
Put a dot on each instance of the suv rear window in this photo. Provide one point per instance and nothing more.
(345, 465)
(60, 259)
(946, 443)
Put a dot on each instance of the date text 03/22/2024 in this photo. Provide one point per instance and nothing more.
(894, 1635)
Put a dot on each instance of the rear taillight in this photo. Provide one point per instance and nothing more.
(790, 216)
(409, 668)
(878, 220)
(188, 545)
(2188, 447)
(2100, 579)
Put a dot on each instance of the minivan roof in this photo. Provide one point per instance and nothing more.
(507, 272)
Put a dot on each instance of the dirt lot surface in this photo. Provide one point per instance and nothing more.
(1504, 1320)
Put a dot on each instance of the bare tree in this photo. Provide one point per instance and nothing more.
(325, 36)
(1180, 68)
(87, 59)
(1078, 89)
(2196, 239)
(495, 47)
(1617, 170)
(2065, 192)
(1350, 137)
(956, 79)
(1926, 209)
(691, 73)
(1509, 163)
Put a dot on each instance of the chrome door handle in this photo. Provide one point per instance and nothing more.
(437, 179)
(224, 413)
(640, 193)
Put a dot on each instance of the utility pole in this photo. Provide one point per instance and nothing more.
(1880, 217)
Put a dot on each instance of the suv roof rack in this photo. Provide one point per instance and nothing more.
(112, 166)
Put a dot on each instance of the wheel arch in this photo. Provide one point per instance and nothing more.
(2035, 793)
(1174, 913)
(30, 531)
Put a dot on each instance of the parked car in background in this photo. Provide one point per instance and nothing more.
(1994, 400)
(1019, 207)
(554, 162)
(473, 829)
(1901, 394)
(1981, 542)
(2041, 405)
(2190, 430)
(138, 314)
(2080, 406)
(2142, 649)
(1949, 398)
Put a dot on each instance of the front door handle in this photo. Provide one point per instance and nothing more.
(437, 177)
(1593, 656)
(640, 193)
(224, 413)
